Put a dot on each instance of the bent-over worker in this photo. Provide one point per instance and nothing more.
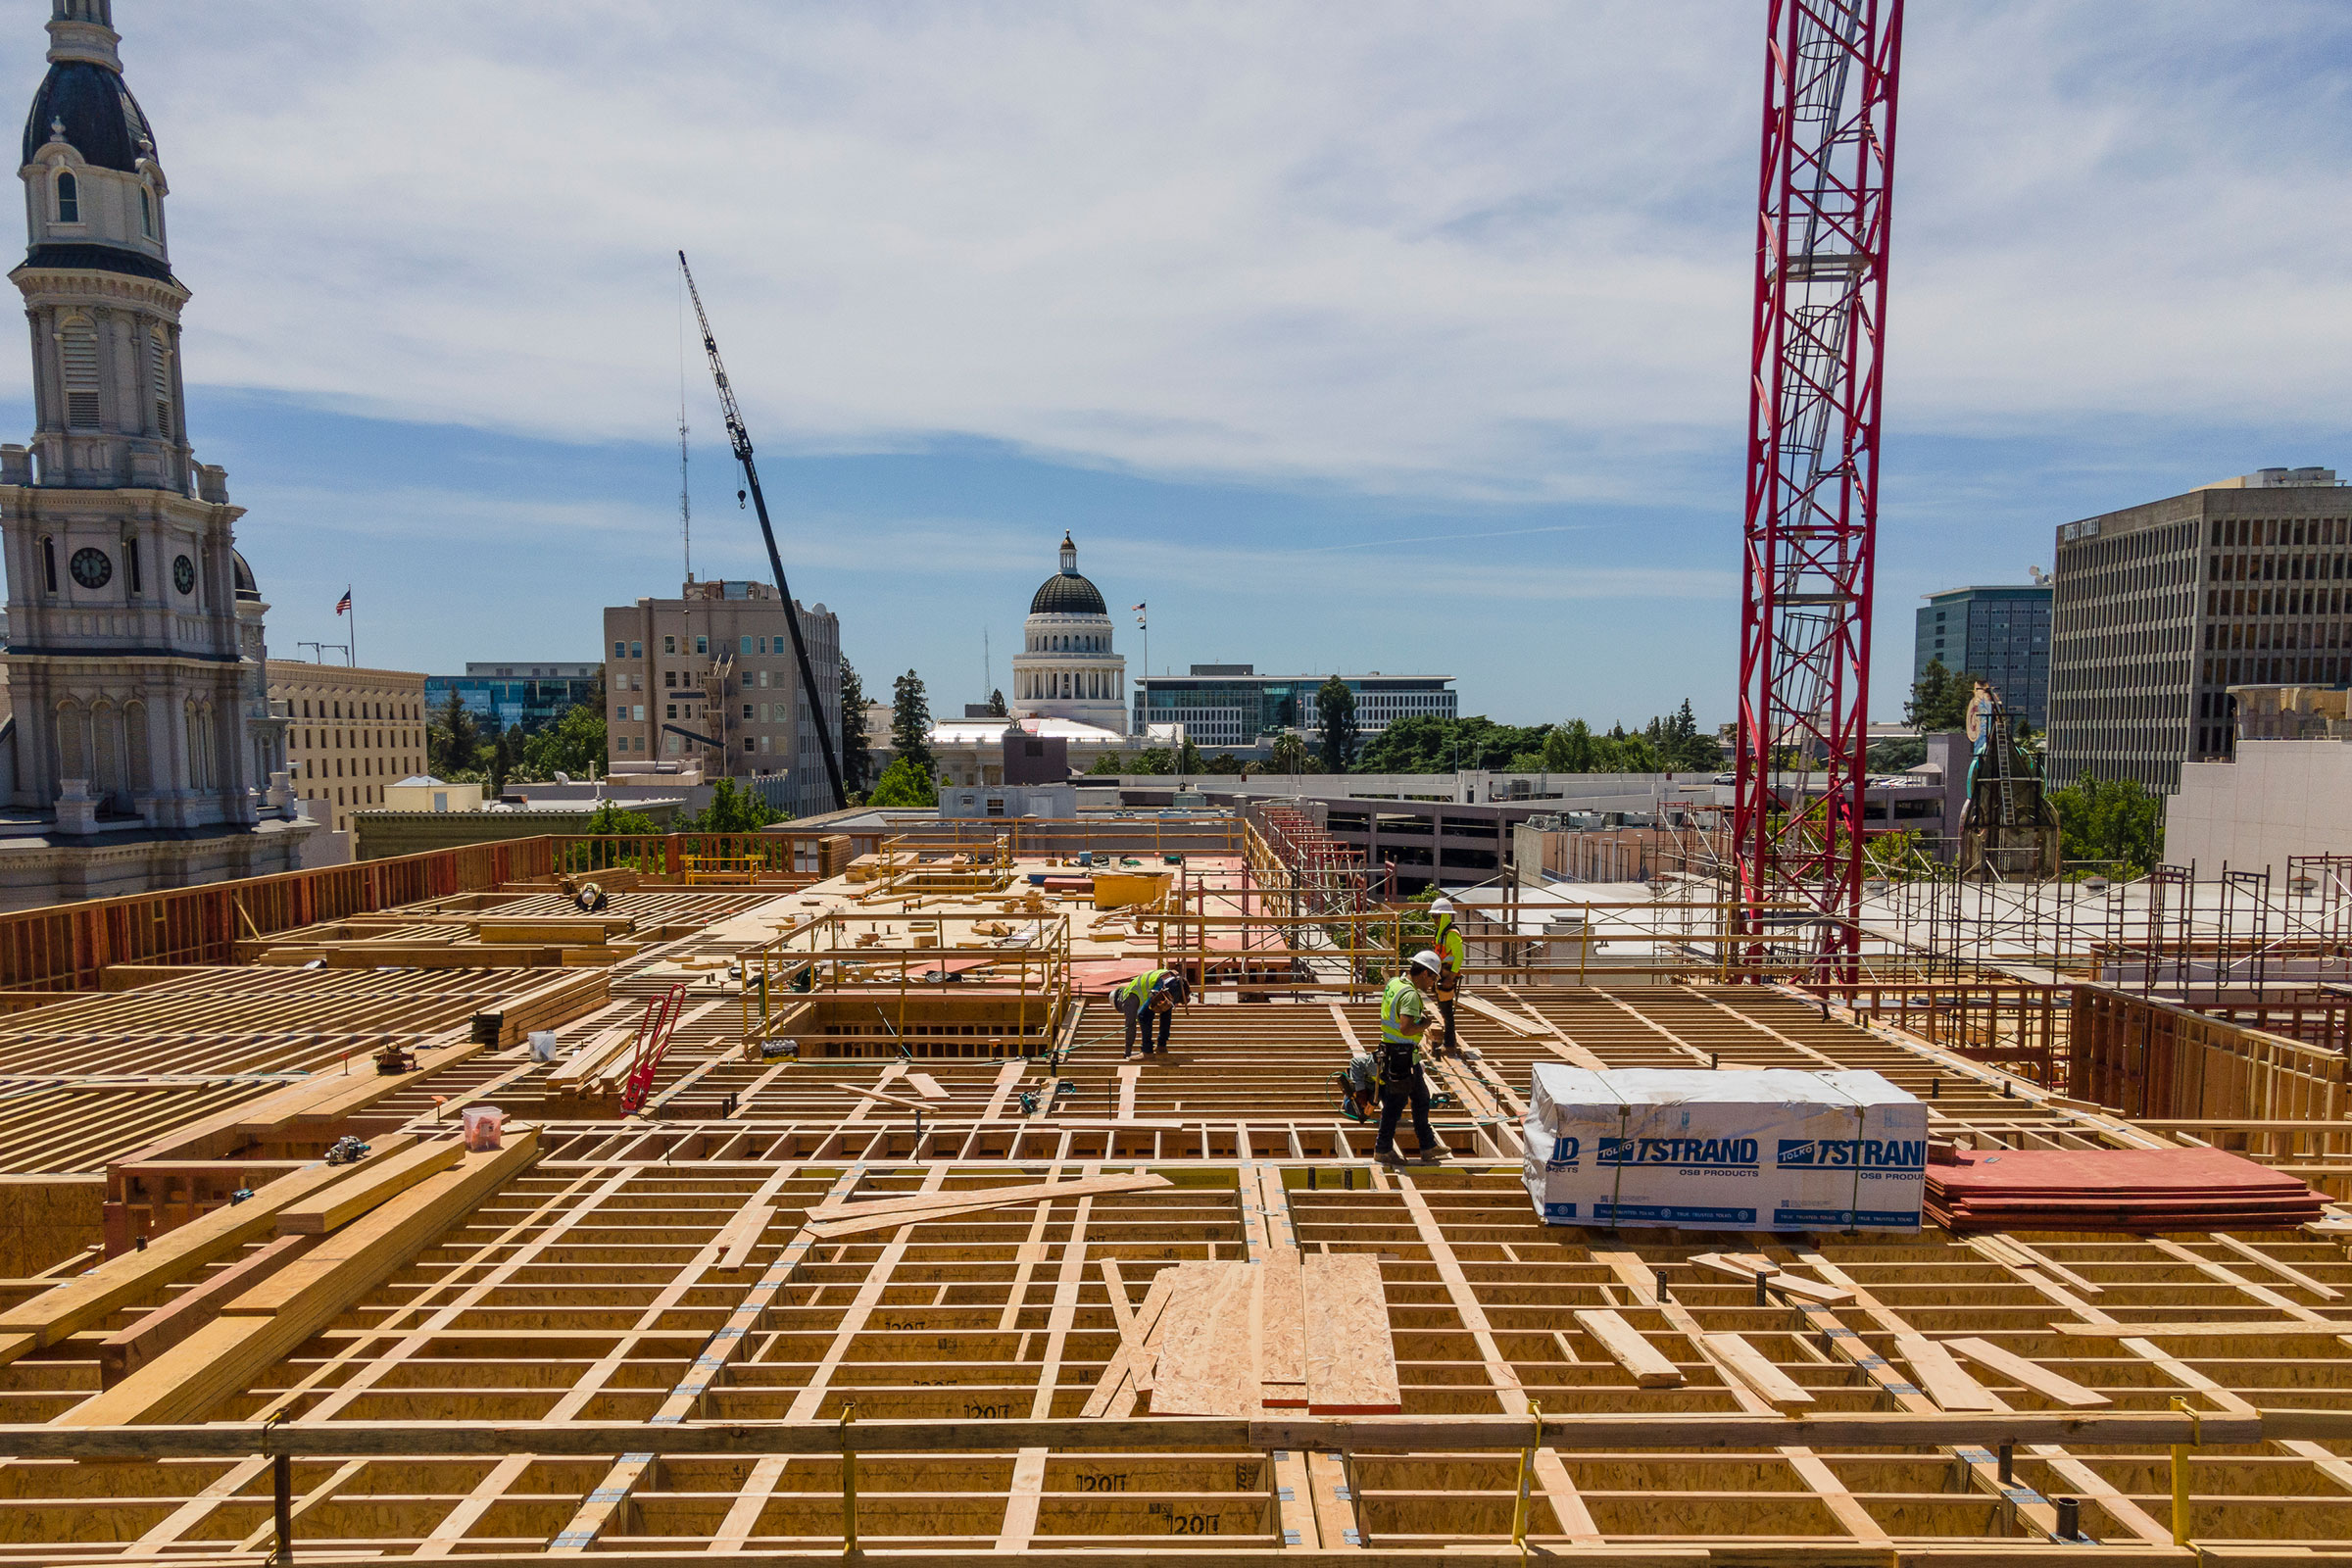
(1149, 998)
(1449, 950)
(586, 896)
(1403, 1020)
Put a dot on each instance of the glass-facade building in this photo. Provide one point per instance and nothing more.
(2002, 634)
(508, 693)
(1231, 704)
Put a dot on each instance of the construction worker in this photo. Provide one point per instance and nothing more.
(1148, 998)
(1448, 947)
(586, 896)
(1403, 1020)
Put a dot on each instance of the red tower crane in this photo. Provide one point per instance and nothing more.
(1813, 467)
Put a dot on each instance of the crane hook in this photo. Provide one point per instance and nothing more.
(738, 501)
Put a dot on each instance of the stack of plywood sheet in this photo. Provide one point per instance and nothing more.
(2115, 1189)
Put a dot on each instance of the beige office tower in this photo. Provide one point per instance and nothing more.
(2159, 609)
(707, 682)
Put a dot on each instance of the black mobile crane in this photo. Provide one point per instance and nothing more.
(743, 453)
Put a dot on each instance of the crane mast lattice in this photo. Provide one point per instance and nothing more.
(1829, 87)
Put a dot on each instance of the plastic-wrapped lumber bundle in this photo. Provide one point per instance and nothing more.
(1770, 1150)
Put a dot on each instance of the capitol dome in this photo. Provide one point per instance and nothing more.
(1067, 666)
(1065, 593)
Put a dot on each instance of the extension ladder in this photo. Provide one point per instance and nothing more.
(653, 1039)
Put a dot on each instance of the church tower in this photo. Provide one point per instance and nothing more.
(123, 575)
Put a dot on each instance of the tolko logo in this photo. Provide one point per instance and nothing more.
(1847, 1154)
(1677, 1152)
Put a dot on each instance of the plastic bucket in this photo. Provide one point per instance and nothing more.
(482, 1126)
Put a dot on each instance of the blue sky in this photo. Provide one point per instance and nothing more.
(1389, 336)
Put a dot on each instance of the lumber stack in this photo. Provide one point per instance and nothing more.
(1291, 1331)
(2115, 1190)
(552, 1005)
(311, 1286)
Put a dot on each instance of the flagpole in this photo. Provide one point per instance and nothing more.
(351, 650)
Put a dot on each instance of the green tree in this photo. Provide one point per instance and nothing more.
(1189, 759)
(1152, 759)
(502, 759)
(1110, 765)
(731, 811)
(996, 705)
(1290, 755)
(2118, 824)
(1939, 699)
(453, 742)
(1428, 744)
(1576, 749)
(1334, 715)
(903, 783)
(573, 746)
(611, 817)
(1895, 756)
(857, 757)
(1226, 764)
(910, 722)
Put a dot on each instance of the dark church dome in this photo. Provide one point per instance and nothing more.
(101, 120)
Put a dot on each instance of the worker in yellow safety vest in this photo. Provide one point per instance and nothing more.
(1403, 1020)
(1148, 998)
(1450, 968)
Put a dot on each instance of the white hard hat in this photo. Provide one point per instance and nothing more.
(1426, 959)
(1441, 906)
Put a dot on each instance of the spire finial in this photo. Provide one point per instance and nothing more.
(1069, 555)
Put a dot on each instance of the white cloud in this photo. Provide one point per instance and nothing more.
(1491, 251)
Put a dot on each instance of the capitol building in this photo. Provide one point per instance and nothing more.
(1067, 668)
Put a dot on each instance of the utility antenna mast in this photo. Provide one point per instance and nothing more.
(742, 440)
(1814, 384)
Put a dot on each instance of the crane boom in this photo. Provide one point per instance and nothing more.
(741, 439)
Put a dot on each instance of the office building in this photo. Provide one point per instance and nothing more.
(505, 693)
(2160, 608)
(351, 734)
(1226, 706)
(2001, 633)
(708, 680)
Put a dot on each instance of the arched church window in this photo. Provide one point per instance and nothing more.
(146, 212)
(48, 564)
(68, 197)
(78, 351)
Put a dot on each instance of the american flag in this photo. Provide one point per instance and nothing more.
(1134, 606)
(343, 604)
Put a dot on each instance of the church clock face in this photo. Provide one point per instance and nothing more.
(184, 576)
(92, 569)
